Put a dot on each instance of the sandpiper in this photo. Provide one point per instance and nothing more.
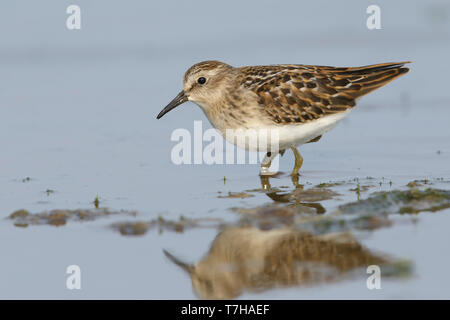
(301, 102)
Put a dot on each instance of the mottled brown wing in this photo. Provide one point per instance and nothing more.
(301, 93)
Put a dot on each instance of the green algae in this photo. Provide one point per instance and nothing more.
(97, 202)
(138, 228)
(19, 214)
(330, 184)
(240, 195)
(60, 217)
(397, 201)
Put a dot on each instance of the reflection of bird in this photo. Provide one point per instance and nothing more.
(248, 259)
(298, 102)
(287, 196)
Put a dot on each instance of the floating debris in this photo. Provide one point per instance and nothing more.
(137, 228)
(267, 217)
(49, 192)
(414, 184)
(368, 223)
(132, 228)
(312, 194)
(396, 201)
(19, 214)
(240, 195)
(360, 189)
(423, 181)
(96, 202)
(373, 213)
(330, 184)
(23, 218)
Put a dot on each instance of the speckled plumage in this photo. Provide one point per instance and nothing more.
(302, 93)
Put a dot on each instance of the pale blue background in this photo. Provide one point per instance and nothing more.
(77, 115)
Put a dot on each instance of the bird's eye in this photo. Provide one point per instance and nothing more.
(201, 80)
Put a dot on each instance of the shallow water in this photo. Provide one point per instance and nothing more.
(77, 117)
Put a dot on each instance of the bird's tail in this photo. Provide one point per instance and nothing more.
(359, 81)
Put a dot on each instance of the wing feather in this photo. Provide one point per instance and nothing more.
(301, 93)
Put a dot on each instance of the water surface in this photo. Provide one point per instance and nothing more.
(77, 117)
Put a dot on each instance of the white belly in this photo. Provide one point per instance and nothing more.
(295, 135)
(280, 137)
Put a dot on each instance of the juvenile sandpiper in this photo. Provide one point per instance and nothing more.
(300, 102)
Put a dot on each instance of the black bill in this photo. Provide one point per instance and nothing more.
(179, 99)
(186, 267)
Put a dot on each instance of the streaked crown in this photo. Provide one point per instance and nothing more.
(203, 81)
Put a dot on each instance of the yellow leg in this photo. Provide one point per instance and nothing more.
(298, 161)
(265, 183)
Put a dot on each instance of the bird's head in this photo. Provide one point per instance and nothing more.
(203, 83)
